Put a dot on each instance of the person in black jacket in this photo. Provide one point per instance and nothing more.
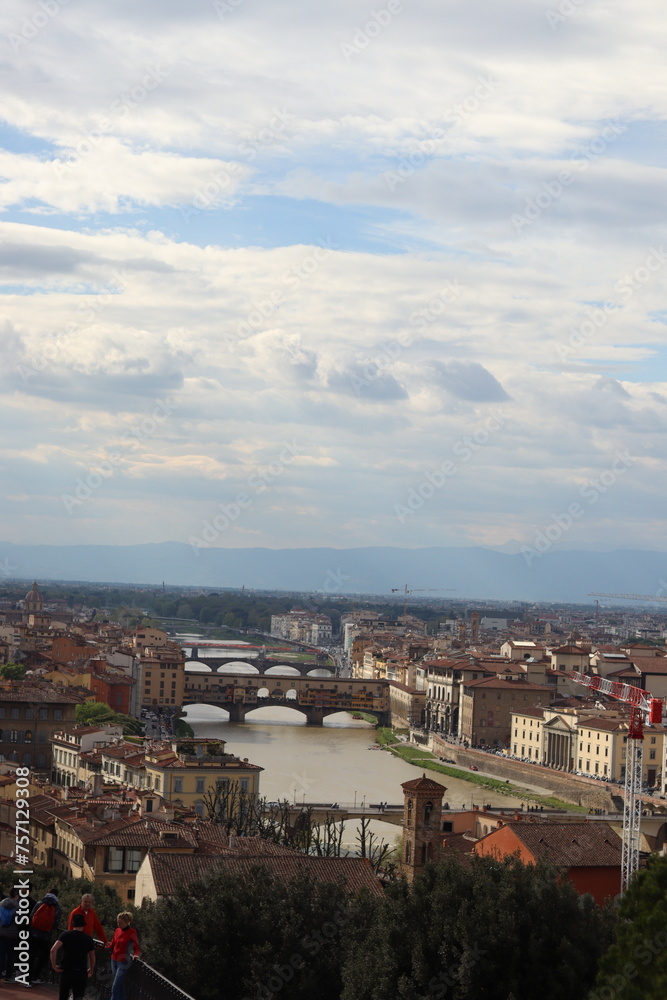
(73, 956)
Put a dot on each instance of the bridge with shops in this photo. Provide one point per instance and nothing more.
(314, 697)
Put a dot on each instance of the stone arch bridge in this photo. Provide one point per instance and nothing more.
(260, 663)
(314, 697)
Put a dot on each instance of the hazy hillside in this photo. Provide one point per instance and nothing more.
(473, 572)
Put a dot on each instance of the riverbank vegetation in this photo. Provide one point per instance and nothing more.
(426, 760)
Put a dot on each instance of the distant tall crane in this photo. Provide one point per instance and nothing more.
(420, 590)
(643, 707)
(631, 597)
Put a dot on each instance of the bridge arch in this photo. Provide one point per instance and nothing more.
(282, 670)
(284, 704)
(196, 667)
(237, 667)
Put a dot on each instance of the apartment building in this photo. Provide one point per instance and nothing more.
(67, 746)
(30, 713)
(487, 706)
(302, 626)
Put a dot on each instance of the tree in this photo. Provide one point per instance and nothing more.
(248, 933)
(635, 967)
(91, 712)
(485, 929)
(12, 671)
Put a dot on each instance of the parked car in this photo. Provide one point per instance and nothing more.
(473, 767)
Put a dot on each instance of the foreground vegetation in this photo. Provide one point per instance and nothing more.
(485, 929)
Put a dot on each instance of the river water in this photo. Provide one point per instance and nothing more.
(324, 764)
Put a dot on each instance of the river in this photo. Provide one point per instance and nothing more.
(326, 764)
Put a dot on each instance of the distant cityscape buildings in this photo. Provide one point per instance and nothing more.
(135, 812)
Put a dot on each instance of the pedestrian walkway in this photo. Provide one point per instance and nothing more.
(16, 991)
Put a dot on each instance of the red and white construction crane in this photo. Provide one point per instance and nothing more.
(643, 708)
(420, 590)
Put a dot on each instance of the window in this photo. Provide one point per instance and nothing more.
(29, 714)
(115, 859)
(27, 758)
(651, 755)
(15, 714)
(244, 788)
(41, 760)
(149, 805)
(57, 714)
(43, 713)
(28, 736)
(178, 784)
(200, 785)
(14, 736)
(133, 859)
(2, 713)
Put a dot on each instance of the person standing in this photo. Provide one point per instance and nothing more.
(9, 934)
(124, 947)
(73, 956)
(92, 924)
(44, 920)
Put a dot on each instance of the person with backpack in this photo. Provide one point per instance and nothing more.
(9, 934)
(73, 956)
(44, 920)
(92, 924)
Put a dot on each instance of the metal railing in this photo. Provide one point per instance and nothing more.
(142, 981)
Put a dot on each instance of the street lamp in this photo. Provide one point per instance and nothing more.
(355, 800)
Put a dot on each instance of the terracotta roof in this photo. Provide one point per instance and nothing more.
(35, 695)
(570, 649)
(457, 843)
(571, 845)
(537, 713)
(170, 870)
(507, 684)
(138, 832)
(423, 784)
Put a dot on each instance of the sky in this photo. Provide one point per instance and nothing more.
(286, 274)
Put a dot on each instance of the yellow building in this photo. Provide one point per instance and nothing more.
(526, 733)
(189, 768)
(162, 676)
(602, 745)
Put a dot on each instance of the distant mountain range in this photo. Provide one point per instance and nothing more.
(474, 573)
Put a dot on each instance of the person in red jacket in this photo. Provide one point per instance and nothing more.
(92, 921)
(124, 947)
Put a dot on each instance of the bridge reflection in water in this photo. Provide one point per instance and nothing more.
(314, 697)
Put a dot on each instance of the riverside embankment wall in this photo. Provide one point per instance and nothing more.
(581, 791)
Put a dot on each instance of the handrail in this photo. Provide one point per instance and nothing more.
(146, 983)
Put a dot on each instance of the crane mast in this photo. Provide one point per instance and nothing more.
(643, 707)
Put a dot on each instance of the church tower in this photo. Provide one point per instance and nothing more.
(422, 811)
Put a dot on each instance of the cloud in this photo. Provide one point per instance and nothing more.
(470, 381)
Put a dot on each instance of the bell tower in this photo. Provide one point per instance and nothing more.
(422, 811)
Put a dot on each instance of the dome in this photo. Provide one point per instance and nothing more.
(33, 600)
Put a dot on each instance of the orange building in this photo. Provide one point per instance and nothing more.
(587, 854)
(115, 690)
